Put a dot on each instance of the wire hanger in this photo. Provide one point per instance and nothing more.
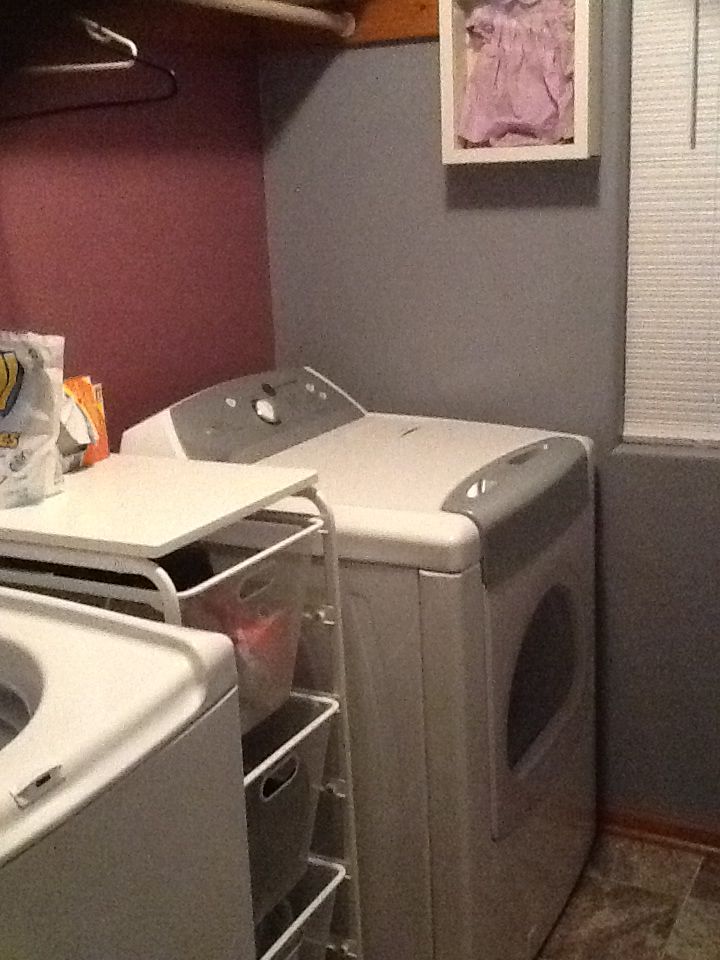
(99, 34)
(130, 60)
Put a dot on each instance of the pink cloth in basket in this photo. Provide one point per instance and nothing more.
(521, 85)
(264, 653)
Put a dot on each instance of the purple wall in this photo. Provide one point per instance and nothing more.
(140, 235)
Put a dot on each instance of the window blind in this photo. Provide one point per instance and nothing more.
(672, 380)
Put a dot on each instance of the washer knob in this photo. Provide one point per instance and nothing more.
(265, 409)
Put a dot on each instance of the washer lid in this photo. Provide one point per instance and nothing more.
(102, 691)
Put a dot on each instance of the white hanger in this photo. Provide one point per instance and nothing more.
(99, 34)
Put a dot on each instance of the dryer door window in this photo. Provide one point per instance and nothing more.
(544, 673)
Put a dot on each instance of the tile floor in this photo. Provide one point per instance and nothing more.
(641, 901)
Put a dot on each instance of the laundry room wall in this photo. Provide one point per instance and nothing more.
(499, 293)
(140, 234)
(488, 292)
(660, 646)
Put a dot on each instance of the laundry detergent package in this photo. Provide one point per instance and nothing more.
(31, 375)
(83, 437)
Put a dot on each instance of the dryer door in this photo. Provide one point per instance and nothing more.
(540, 672)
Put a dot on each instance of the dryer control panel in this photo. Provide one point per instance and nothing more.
(245, 420)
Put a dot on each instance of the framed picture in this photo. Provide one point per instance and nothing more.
(520, 80)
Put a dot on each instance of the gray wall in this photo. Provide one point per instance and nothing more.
(498, 293)
(660, 655)
(485, 292)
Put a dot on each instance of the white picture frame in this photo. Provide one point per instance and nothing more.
(588, 90)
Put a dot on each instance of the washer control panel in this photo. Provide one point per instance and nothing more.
(245, 420)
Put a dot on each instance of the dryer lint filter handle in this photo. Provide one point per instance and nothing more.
(522, 502)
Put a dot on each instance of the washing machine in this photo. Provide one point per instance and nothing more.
(122, 822)
(467, 571)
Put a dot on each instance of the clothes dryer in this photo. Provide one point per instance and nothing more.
(467, 569)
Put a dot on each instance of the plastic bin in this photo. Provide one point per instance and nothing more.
(258, 602)
(284, 760)
(299, 928)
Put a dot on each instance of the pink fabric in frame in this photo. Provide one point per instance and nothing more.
(520, 89)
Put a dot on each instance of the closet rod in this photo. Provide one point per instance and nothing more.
(341, 23)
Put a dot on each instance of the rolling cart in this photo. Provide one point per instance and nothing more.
(221, 547)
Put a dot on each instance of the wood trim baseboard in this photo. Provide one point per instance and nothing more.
(660, 829)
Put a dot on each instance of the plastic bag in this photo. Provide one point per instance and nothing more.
(30, 400)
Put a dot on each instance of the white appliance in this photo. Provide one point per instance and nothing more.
(467, 570)
(122, 823)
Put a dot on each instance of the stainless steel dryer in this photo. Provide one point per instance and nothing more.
(467, 564)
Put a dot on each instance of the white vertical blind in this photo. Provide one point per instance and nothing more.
(672, 388)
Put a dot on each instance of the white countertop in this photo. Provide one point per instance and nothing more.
(149, 506)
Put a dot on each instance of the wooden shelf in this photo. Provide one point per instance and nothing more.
(378, 21)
